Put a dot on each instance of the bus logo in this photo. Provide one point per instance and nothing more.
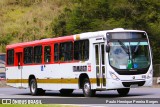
(79, 68)
(133, 77)
(89, 68)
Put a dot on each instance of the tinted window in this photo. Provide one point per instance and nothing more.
(66, 51)
(38, 54)
(28, 55)
(56, 52)
(47, 54)
(10, 57)
(81, 50)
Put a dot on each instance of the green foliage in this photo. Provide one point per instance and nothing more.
(84, 16)
(27, 20)
(93, 15)
(5, 41)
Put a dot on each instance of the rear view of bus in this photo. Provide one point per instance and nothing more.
(129, 60)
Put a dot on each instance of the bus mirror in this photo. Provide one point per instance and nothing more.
(107, 48)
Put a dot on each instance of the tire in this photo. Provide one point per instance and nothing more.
(87, 89)
(123, 91)
(66, 91)
(33, 88)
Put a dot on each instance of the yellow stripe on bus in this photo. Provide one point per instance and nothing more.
(64, 81)
(17, 80)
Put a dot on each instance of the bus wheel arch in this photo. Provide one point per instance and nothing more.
(81, 79)
(85, 85)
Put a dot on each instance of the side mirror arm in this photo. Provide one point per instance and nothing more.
(107, 48)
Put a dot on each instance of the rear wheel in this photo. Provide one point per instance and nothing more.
(33, 88)
(87, 89)
(66, 91)
(123, 91)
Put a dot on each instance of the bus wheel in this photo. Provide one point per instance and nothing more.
(66, 91)
(34, 90)
(123, 91)
(87, 89)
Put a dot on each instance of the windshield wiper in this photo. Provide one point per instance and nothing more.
(125, 48)
(137, 47)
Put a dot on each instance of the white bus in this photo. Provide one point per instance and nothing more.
(115, 59)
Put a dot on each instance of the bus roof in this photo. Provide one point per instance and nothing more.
(70, 38)
(43, 41)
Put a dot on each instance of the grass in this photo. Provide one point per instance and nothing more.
(37, 105)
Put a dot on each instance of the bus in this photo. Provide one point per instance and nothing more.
(117, 59)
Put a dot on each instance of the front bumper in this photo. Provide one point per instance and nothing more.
(117, 84)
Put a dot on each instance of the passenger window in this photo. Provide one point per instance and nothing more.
(47, 54)
(28, 55)
(81, 50)
(38, 54)
(56, 53)
(66, 51)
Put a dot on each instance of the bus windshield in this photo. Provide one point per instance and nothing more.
(129, 55)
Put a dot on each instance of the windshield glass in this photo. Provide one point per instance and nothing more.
(129, 55)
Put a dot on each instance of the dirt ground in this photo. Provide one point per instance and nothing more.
(2, 83)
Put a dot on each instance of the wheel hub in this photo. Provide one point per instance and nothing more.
(33, 87)
(86, 88)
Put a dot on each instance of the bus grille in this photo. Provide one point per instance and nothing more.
(128, 84)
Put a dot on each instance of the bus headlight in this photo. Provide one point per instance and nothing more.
(150, 74)
(114, 76)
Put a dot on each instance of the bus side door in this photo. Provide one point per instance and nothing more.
(18, 63)
(99, 56)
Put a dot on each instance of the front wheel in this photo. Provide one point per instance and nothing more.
(33, 88)
(123, 91)
(87, 89)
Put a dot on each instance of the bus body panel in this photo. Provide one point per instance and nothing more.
(66, 75)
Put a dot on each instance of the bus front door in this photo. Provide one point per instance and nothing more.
(100, 65)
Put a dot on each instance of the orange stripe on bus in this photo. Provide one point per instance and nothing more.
(64, 81)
